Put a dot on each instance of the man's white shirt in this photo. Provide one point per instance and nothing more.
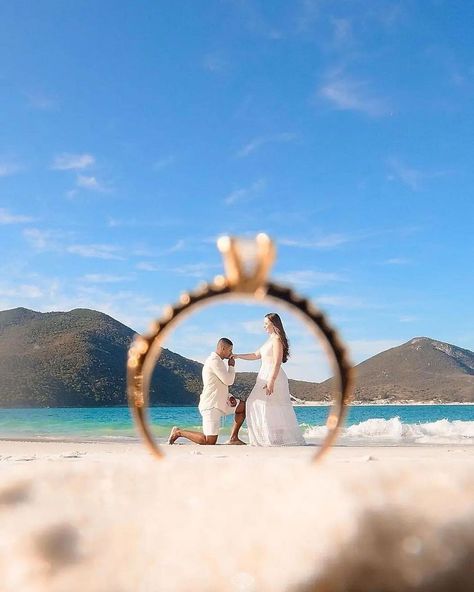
(216, 378)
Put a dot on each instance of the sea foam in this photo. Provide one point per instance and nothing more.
(394, 431)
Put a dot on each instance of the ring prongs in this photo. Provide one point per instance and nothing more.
(247, 262)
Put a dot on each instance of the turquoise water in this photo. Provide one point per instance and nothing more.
(392, 425)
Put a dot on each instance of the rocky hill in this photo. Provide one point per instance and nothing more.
(421, 370)
(77, 358)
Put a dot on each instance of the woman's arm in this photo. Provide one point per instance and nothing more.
(277, 360)
(254, 356)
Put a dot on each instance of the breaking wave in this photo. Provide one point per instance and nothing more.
(394, 431)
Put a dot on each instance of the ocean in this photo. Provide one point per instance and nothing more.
(391, 425)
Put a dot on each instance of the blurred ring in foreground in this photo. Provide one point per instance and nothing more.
(247, 263)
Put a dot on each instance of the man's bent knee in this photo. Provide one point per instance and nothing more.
(211, 440)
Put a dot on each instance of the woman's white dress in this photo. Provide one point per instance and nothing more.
(271, 419)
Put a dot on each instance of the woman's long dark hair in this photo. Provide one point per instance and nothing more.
(275, 320)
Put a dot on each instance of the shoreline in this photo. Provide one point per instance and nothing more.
(384, 404)
(305, 404)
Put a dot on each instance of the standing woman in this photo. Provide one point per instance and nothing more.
(271, 419)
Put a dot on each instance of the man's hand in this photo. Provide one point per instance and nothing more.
(231, 361)
(232, 401)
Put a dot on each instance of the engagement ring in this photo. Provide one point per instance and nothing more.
(247, 264)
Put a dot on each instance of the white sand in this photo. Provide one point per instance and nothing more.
(107, 517)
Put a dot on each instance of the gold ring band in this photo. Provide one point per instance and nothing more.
(145, 350)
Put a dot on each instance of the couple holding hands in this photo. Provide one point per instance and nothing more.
(271, 419)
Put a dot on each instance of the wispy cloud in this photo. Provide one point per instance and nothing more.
(147, 266)
(7, 217)
(329, 241)
(41, 101)
(67, 162)
(163, 163)
(8, 167)
(40, 240)
(20, 291)
(307, 278)
(91, 183)
(129, 307)
(341, 301)
(407, 319)
(159, 222)
(197, 270)
(96, 251)
(245, 193)
(342, 32)
(103, 278)
(141, 250)
(308, 14)
(397, 261)
(255, 21)
(260, 141)
(410, 176)
(215, 63)
(349, 94)
(45, 240)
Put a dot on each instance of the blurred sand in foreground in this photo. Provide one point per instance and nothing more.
(100, 517)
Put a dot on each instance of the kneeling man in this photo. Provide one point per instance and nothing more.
(214, 400)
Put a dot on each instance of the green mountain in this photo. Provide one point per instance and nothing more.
(77, 358)
(421, 370)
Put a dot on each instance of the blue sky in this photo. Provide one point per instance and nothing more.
(132, 135)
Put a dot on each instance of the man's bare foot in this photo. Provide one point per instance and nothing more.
(174, 435)
(236, 442)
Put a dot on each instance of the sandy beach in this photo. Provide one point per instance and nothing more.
(108, 517)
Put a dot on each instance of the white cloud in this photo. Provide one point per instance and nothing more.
(245, 193)
(103, 278)
(42, 240)
(67, 162)
(397, 261)
(146, 266)
(8, 218)
(8, 168)
(39, 239)
(308, 15)
(178, 246)
(21, 291)
(215, 63)
(164, 163)
(41, 101)
(253, 327)
(410, 176)
(329, 241)
(407, 319)
(309, 277)
(133, 309)
(342, 32)
(91, 183)
(258, 142)
(197, 270)
(95, 251)
(340, 301)
(349, 94)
